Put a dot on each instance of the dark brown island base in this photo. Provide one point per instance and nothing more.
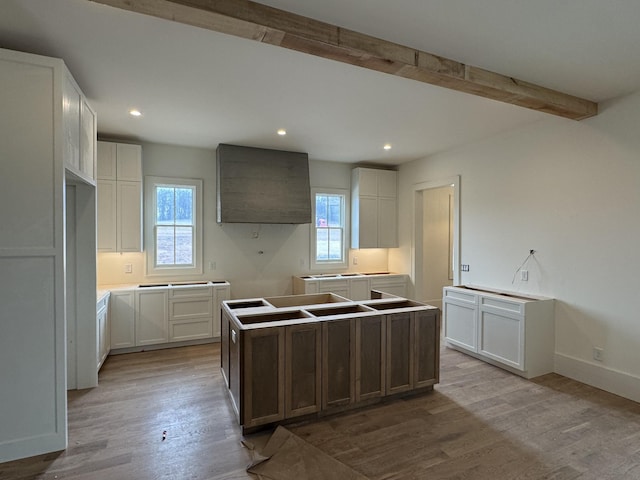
(288, 357)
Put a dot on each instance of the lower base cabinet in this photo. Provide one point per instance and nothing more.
(152, 316)
(338, 357)
(103, 330)
(303, 367)
(278, 373)
(400, 341)
(282, 367)
(418, 365)
(123, 319)
(509, 330)
(190, 313)
(370, 375)
(156, 315)
(264, 380)
(426, 353)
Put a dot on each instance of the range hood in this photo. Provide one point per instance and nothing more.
(258, 185)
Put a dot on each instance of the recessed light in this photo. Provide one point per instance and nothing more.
(135, 113)
(282, 132)
(387, 146)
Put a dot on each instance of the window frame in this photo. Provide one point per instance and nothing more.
(150, 184)
(330, 264)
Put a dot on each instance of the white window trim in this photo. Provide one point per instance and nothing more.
(329, 265)
(149, 209)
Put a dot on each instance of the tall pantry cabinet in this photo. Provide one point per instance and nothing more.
(374, 208)
(119, 197)
(47, 147)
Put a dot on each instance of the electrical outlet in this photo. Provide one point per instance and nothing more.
(597, 354)
(212, 265)
(465, 268)
(524, 275)
(355, 260)
(128, 268)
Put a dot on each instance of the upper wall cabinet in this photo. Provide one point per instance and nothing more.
(119, 197)
(79, 127)
(374, 204)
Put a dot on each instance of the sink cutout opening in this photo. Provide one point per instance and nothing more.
(391, 305)
(323, 312)
(271, 317)
(249, 304)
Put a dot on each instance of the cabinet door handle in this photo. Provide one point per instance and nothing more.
(233, 336)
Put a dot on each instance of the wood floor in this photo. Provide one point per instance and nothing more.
(165, 415)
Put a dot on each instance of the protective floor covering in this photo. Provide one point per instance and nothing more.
(288, 457)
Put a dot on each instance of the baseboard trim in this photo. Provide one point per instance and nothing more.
(162, 346)
(599, 376)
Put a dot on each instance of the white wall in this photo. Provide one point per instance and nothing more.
(571, 191)
(232, 247)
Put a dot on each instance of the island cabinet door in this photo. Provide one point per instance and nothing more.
(370, 357)
(338, 363)
(303, 369)
(427, 348)
(264, 377)
(400, 352)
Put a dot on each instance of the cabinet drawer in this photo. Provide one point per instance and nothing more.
(190, 329)
(502, 304)
(185, 309)
(462, 296)
(177, 292)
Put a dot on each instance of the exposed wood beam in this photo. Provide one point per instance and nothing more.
(246, 19)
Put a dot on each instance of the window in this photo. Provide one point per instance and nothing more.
(329, 238)
(173, 214)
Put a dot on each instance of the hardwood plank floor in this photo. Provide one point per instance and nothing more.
(165, 415)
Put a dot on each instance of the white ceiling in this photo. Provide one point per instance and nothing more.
(200, 88)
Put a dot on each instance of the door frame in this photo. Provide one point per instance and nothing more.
(417, 236)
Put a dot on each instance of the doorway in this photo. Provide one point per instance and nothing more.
(436, 238)
(80, 282)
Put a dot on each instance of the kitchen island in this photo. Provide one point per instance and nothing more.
(288, 357)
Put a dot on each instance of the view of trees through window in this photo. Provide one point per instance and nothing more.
(174, 225)
(329, 224)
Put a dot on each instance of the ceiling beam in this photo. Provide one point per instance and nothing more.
(246, 19)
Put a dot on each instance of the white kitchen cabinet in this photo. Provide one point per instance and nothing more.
(352, 286)
(190, 313)
(391, 284)
(79, 130)
(103, 329)
(510, 330)
(460, 314)
(152, 316)
(359, 288)
(129, 216)
(156, 315)
(374, 206)
(88, 135)
(194, 312)
(339, 287)
(330, 284)
(119, 171)
(39, 138)
(122, 310)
